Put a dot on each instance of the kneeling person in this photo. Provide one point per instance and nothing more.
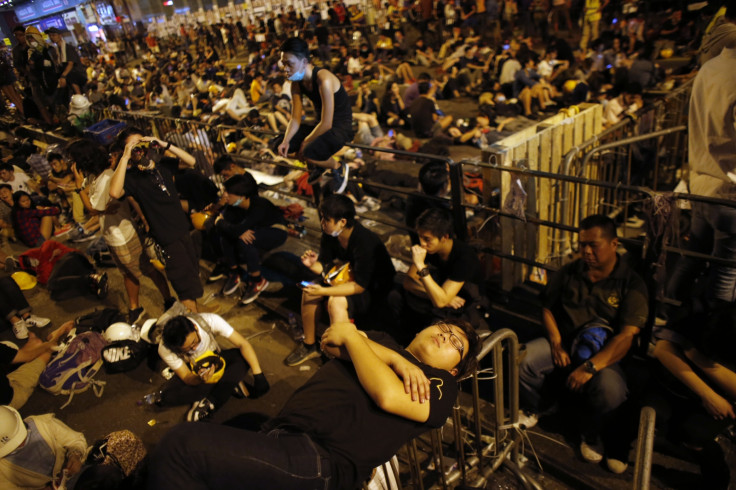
(189, 348)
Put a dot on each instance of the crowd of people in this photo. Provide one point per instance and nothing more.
(372, 77)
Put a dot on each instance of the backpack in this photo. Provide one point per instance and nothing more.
(98, 320)
(71, 371)
(123, 355)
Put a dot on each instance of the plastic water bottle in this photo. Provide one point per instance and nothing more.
(484, 139)
(297, 332)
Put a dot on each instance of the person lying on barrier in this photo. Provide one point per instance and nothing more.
(379, 396)
(593, 309)
(315, 144)
(443, 280)
(356, 269)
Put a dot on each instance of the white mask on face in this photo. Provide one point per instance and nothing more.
(336, 233)
(237, 203)
(298, 76)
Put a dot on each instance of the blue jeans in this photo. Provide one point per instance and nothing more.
(236, 252)
(712, 231)
(201, 456)
(605, 391)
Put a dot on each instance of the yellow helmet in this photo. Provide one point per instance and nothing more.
(569, 86)
(206, 361)
(339, 274)
(199, 220)
(666, 53)
(34, 33)
(24, 280)
(231, 147)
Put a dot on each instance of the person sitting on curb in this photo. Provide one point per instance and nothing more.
(369, 280)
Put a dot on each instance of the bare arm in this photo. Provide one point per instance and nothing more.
(187, 376)
(560, 356)
(246, 350)
(327, 88)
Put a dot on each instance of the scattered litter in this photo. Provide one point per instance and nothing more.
(305, 368)
(152, 422)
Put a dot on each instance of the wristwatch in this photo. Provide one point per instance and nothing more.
(589, 367)
(424, 272)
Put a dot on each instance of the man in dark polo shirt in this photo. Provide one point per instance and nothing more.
(442, 281)
(593, 309)
(344, 241)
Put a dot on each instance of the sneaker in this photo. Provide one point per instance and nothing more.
(36, 321)
(218, 272)
(20, 329)
(528, 419)
(135, 315)
(340, 176)
(81, 236)
(63, 231)
(232, 284)
(200, 410)
(616, 465)
(592, 453)
(253, 291)
(11, 264)
(302, 354)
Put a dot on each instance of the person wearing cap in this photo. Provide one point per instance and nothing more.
(70, 69)
(38, 452)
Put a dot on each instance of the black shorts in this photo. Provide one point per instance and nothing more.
(182, 268)
(326, 145)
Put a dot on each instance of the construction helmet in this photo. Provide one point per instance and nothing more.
(35, 34)
(118, 331)
(569, 86)
(206, 361)
(666, 53)
(24, 280)
(12, 430)
(199, 220)
(79, 104)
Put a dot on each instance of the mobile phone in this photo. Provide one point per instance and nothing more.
(305, 284)
(239, 67)
(506, 47)
(391, 133)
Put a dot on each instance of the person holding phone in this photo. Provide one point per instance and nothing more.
(315, 144)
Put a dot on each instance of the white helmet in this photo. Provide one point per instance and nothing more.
(118, 331)
(149, 333)
(79, 105)
(12, 430)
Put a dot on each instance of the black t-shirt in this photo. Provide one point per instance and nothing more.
(261, 213)
(342, 117)
(369, 260)
(336, 412)
(620, 299)
(462, 265)
(157, 196)
(191, 185)
(422, 112)
(6, 357)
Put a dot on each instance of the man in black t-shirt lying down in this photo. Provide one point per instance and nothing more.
(351, 416)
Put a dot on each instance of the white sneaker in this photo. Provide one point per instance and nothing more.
(37, 321)
(528, 420)
(592, 453)
(616, 465)
(20, 329)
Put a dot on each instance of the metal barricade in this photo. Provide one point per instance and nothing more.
(495, 437)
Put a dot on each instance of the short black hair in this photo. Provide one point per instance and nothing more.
(16, 199)
(222, 163)
(424, 76)
(7, 166)
(423, 87)
(91, 157)
(606, 224)
(19, 28)
(125, 134)
(337, 207)
(54, 156)
(296, 46)
(433, 177)
(242, 185)
(176, 331)
(437, 221)
(6, 186)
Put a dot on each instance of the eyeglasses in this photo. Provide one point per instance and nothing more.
(191, 346)
(456, 341)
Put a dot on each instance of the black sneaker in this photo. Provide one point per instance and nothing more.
(253, 290)
(135, 315)
(218, 272)
(232, 283)
(203, 409)
(99, 284)
(302, 354)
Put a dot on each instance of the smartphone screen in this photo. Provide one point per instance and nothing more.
(305, 284)
(391, 133)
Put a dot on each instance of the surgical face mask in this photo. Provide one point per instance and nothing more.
(237, 203)
(336, 233)
(501, 98)
(33, 44)
(298, 76)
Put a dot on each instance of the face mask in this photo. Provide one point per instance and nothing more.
(298, 76)
(237, 203)
(33, 44)
(501, 98)
(336, 233)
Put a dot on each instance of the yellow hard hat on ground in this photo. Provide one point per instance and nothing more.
(24, 280)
